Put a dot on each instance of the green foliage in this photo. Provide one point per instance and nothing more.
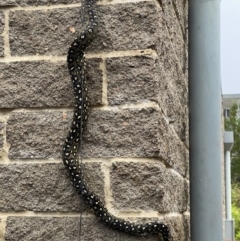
(236, 217)
(236, 209)
(232, 123)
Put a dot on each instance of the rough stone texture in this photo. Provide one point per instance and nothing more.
(172, 150)
(186, 222)
(46, 187)
(173, 92)
(169, 64)
(5, 3)
(176, 12)
(187, 169)
(181, 9)
(176, 227)
(2, 21)
(132, 79)
(42, 228)
(44, 84)
(1, 46)
(160, 133)
(147, 186)
(67, 229)
(1, 144)
(37, 134)
(2, 229)
(130, 133)
(174, 30)
(126, 133)
(94, 230)
(171, 73)
(2, 125)
(187, 193)
(110, 133)
(44, 2)
(186, 54)
(121, 27)
(134, 133)
(36, 2)
(42, 32)
(128, 26)
(137, 79)
(175, 111)
(178, 119)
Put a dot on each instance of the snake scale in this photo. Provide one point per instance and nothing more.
(76, 66)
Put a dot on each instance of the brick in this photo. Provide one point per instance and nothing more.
(94, 76)
(49, 85)
(37, 134)
(41, 228)
(186, 223)
(147, 186)
(139, 79)
(179, 83)
(2, 229)
(173, 87)
(63, 228)
(187, 167)
(171, 72)
(5, 3)
(181, 10)
(175, 111)
(187, 194)
(176, 227)
(132, 79)
(111, 133)
(186, 54)
(94, 230)
(2, 125)
(134, 133)
(174, 29)
(173, 94)
(1, 46)
(131, 26)
(42, 32)
(2, 21)
(44, 2)
(181, 124)
(1, 144)
(173, 77)
(172, 149)
(121, 27)
(45, 187)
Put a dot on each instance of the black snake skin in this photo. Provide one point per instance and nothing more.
(76, 65)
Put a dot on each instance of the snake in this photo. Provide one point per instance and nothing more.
(73, 143)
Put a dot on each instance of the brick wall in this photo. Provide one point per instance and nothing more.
(136, 145)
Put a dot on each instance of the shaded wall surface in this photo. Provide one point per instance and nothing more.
(136, 144)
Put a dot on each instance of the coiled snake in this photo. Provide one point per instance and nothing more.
(73, 142)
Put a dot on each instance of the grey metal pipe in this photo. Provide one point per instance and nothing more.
(205, 121)
(228, 185)
(229, 222)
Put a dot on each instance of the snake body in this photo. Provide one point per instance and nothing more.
(76, 66)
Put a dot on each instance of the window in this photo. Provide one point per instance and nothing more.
(226, 112)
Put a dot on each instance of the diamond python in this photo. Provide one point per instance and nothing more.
(76, 66)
